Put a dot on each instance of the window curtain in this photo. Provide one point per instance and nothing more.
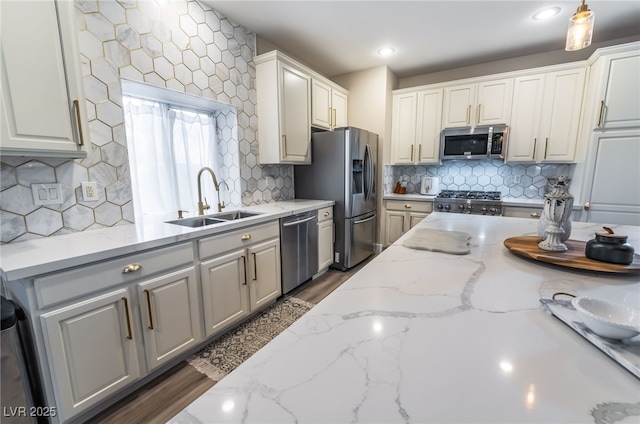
(167, 147)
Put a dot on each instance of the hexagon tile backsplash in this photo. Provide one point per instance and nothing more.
(181, 45)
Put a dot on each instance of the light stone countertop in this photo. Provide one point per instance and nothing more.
(39, 256)
(418, 336)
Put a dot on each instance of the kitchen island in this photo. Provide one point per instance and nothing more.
(419, 336)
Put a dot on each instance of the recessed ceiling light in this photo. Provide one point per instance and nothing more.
(546, 13)
(386, 51)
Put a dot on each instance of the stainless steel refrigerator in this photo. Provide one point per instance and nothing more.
(343, 169)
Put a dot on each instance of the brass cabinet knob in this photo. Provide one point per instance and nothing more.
(535, 214)
(246, 236)
(408, 206)
(131, 268)
(586, 206)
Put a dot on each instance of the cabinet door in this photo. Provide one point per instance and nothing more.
(525, 118)
(494, 102)
(224, 291)
(613, 183)
(339, 104)
(458, 104)
(620, 107)
(45, 83)
(429, 125)
(395, 225)
(561, 115)
(325, 244)
(264, 273)
(321, 111)
(415, 218)
(92, 351)
(295, 116)
(403, 131)
(170, 312)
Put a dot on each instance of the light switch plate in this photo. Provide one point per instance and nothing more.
(90, 191)
(47, 194)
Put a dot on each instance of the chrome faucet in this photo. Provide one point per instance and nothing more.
(202, 206)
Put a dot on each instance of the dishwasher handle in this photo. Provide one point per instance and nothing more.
(300, 221)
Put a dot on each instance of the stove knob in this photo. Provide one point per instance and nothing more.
(439, 207)
(461, 207)
(493, 211)
(469, 207)
(483, 210)
(447, 207)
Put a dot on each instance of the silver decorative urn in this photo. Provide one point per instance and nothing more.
(558, 205)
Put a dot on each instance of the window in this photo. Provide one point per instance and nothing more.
(168, 145)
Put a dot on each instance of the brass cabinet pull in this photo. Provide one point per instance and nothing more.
(587, 206)
(546, 144)
(412, 153)
(76, 106)
(131, 268)
(535, 214)
(535, 143)
(126, 312)
(246, 236)
(468, 114)
(408, 206)
(601, 114)
(335, 117)
(244, 262)
(419, 152)
(255, 266)
(149, 308)
(327, 214)
(284, 139)
(478, 117)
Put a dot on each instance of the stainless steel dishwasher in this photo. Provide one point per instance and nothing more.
(298, 249)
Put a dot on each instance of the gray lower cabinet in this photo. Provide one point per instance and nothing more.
(115, 324)
(401, 216)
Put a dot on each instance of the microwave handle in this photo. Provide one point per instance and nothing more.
(489, 142)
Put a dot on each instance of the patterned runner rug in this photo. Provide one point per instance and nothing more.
(223, 355)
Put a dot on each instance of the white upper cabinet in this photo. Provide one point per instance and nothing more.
(615, 82)
(483, 103)
(284, 111)
(545, 116)
(291, 99)
(416, 126)
(42, 107)
(328, 105)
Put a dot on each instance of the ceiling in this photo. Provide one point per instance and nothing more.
(337, 37)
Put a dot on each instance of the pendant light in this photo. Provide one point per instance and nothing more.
(580, 28)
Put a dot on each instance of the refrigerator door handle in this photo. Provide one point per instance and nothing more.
(365, 220)
(367, 167)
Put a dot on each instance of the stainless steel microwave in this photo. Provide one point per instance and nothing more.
(483, 142)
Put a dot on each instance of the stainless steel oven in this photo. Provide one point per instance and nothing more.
(484, 142)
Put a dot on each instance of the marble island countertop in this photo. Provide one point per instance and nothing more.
(425, 337)
(38, 256)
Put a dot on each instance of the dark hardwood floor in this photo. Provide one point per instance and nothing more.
(165, 396)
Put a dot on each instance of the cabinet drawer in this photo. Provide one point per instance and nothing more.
(232, 240)
(522, 211)
(67, 285)
(325, 214)
(399, 205)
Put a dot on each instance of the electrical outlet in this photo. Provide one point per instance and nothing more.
(90, 192)
(517, 179)
(47, 194)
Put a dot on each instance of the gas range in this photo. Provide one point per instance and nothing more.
(471, 202)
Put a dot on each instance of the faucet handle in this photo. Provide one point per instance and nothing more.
(206, 205)
(221, 206)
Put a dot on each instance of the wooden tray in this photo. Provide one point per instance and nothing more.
(527, 246)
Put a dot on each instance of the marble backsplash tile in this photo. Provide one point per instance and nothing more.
(512, 180)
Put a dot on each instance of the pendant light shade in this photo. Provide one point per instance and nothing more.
(580, 28)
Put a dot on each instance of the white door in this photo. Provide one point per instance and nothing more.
(321, 112)
(428, 126)
(170, 312)
(525, 118)
(415, 218)
(614, 179)
(295, 116)
(620, 105)
(458, 104)
(403, 130)
(224, 291)
(264, 273)
(325, 244)
(91, 346)
(395, 222)
(339, 104)
(493, 102)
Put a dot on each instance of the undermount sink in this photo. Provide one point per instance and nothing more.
(198, 221)
(219, 218)
(230, 216)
